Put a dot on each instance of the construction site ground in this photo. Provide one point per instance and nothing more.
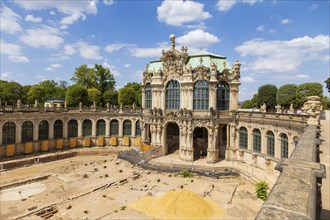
(102, 187)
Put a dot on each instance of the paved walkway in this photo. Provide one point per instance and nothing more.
(253, 173)
(325, 159)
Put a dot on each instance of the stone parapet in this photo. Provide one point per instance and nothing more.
(296, 194)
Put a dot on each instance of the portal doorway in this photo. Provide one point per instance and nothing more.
(200, 142)
(172, 138)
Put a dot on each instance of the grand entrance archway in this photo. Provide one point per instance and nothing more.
(200, 142)
(172, 141)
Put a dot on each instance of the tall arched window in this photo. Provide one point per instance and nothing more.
(284, 146)
(27, 131)
(137, 129)
(43, 130)
(223, 96)
(114, 127)
(58, 129)
(100, 128)
(9, 133)
(72, 128)
(87, 128)
(148, 96)
(243, 138)
(127, 128)
(256, 140)
(172, 95)
(270, 144)
(201, 95)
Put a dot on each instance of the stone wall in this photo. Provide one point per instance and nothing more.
(296, 193)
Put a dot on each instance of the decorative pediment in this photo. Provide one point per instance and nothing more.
(173, 61)
(224, 75)
(201, 73)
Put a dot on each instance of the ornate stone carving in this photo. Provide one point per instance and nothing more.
(263, 108)
(236, 71)
(278, 108)
(312, 107)
(291, 110)
(201, 73)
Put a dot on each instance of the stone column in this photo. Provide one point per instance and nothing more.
(51, 129)
(1, 124)
(36, 131)
(233, 105)
(213, 96)
(107, 127)
(212, 151)
(133, 129)
(93, 127)
(80, 132)
(65, 128)
(120, 132)
(263, 142)
(18, 133)
(250, 139)
(277, 150)
(143, 97)
(190, 97)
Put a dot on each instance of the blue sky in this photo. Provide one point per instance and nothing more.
(277, 42)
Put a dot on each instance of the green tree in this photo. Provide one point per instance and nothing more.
(111, 96)
(24, 93)
(36, 92)
(104, 79)
(52, 90)
(127, 96)
(267, 94)
(10, 92)
(261, 190)
(75, 94)
(308, 89)
(84, 76)
(138, 92)
(94, 95)
(286, 95)
(246, 104)
(326, 103)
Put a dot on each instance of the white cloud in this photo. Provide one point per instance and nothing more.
(226, 5)
(113, 69)
(314, 6)
(247, 79)
(137, 75)
(18, 59)
(286, 21)
(44, 37)
(52, 12)
(88, 51)
(73, 10)
(179, 12)
(9, 49)
(284, 56)
(69, 50)
(260, 28)
(108, 2)
(198, 39)
(54, 66)
(31, 18)
(10, 21)
(302, 76)
(150, 52)
(115, 47)
(8, 76)
(127, 65)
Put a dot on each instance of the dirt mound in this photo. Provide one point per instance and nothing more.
(180, 204)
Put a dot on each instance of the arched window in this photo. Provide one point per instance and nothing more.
(201, 95)
(172, 95)
(9, 133)
(137, 129)
(127, 128)
(72, 128)
(223, 96)
(87, 128)
(256, 140)
(148, 97)
(284, 146)
(100, 128)
(114, 127)
(27, 131)
(243, 138)
(43, 130)
(58, 129)
(270, 144)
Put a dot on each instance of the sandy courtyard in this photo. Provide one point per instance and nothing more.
(103, 187)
